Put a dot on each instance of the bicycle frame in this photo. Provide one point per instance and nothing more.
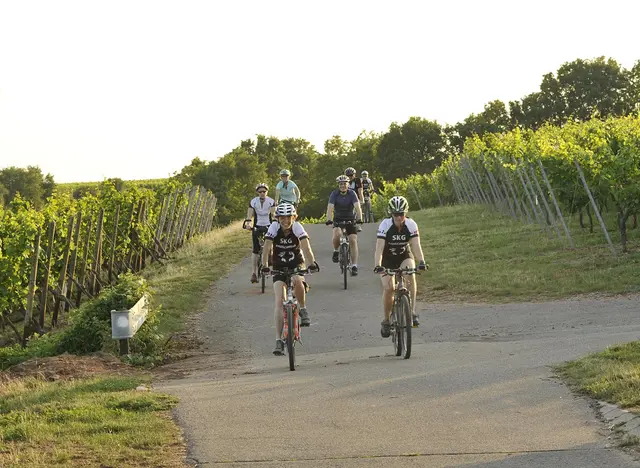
(401, 340)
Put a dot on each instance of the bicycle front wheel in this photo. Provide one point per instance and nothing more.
(396, 335)
(344, 255)
(405, 323)
(291, 336)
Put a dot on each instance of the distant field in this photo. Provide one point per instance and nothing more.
(70, 187)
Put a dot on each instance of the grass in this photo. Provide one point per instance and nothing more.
(612, 375)
(181, 285)
(478, 255)
(104, 421)
(101, 421)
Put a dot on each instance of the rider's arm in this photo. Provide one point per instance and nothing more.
(360, 196)
(309, 258)
(330, 211)
(296, 190)
(416, 248)
(358, 208)
(249, 216)
(377, 259)
(266, 251)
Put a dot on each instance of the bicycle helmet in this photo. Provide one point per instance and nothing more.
(342, 178)
(286, 172)
(285, 209)
(262, 185)
(350, 171)
(398, 204)
(364, 174)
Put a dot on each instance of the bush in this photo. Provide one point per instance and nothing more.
(90, 325)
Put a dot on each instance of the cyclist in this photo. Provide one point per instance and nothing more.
(285, 242)
(355, 183)
(260, 214)
(367, 191)
(287, 190)
(398, 242)
(344, 206)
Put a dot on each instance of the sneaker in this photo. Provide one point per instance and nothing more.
(335, 257)
(254, 278)
(416, 320)
(385, 331)
(354, 270)
(279, 351)
(305, 321)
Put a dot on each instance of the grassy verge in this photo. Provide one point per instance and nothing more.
(181, 284)
(476, 254)
(101, 421)
(612, 375)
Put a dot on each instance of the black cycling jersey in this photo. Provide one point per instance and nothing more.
(396, 246)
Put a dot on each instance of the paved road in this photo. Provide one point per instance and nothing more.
(477, 391)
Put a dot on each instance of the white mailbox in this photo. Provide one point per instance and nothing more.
(125, 323)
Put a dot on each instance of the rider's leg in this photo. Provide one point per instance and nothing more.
(387, 295)
(256, 260)
(278, 293)
(353, 245)
(336, 238)
(411, 281)
(298, 289)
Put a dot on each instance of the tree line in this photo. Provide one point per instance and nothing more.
(578, 91)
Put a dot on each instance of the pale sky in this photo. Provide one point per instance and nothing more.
(136, 89)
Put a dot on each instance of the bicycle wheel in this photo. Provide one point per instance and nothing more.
(344, 255)
(396, 336)
(263, 279)
(291, 336)
(406, 321)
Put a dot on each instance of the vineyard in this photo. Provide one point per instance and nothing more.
(590, 168)
(53, 259)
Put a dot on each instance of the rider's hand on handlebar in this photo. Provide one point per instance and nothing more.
(244, 224)
(378, 269)
(422, 266)
(328, 222)
(315, 267)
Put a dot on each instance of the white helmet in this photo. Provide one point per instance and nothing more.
(342, 178)
(285, 209)
(262, 185)
(398, 204)
(364, 174)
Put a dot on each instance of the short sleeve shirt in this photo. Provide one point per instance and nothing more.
(355, 184)
(397, 240)
(287, 193)
(286, 248)
(344, 205)
(262, 210)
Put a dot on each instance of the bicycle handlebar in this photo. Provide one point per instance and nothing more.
(401, 271)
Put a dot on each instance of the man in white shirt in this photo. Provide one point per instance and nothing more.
(260, 214)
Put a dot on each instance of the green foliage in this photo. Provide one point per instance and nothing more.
(38, 346)
(90, 325)
(30, 183)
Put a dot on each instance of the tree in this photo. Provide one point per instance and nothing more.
(493, 119)
(415, 147)
(29, 183)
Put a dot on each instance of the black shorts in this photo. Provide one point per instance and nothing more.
(258, 232)
(394, 262)
(283, 278)
(350, 228)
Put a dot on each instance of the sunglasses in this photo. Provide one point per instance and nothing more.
(397, 215)
(262, 191)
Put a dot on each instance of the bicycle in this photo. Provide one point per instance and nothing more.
(401, 318)
(367, 212)
(291, 313)
(344, 255)
(261, 233)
